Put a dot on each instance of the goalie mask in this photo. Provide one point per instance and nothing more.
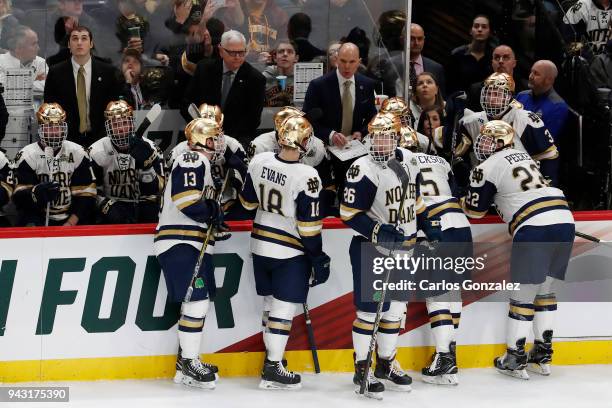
(206, 135)
(399, 108)
(494, 136)
(119, 123)
(383, 133)
(296, 133)
(211, 112)
(52, 127)
(496, 94)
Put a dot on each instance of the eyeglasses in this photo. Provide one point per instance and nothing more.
(231, 53)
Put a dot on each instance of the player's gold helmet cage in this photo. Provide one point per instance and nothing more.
(496, 94)
(383, 134)
(119, 123)
(200, 130)
(494, 136)
(52, 127)
(296, 133)
(211, 112)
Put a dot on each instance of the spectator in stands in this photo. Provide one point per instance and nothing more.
(233, 84)
(470, 63)
(279, 90)
(418, 63)
(184, 15)
(131, 68)
(503, 61)
(73, 14)
(83, 86)
(381, 66)
(427, 94)
(543, 100)
(332, 56)
(431, 118)
(298, 30)
(23, 50)
(601, 68)
(346, 101)
(8, 22)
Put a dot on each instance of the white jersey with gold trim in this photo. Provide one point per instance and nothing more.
(266, 142)
(183, 211)
(512, 180)
(596, 20)
(286, 195)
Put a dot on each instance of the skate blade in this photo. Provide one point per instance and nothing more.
(520, 374)
(542, 369)
(444, 379)
(272, 385)
(178, 377)
(391, 386)
(190, 382)
(373, 395)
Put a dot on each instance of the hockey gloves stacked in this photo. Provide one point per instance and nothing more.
(143, 153)
(387, 236)
(215, 219)
(320, 269)
(46, 192)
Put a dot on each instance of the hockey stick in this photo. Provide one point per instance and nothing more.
(459, 102)
(152, 115)
(48, 153)
(209, 234)
(404, 178)
(193, 111)
(591, 238)
(311, 339)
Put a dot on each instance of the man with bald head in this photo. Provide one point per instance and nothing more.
(344, 102)
(503, 61)
(543, 100)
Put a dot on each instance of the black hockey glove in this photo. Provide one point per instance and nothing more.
(46, 192)
(215, 217)
(118, 212)
(142, 152)
(320, 269)
(387, 236)
(233, 161)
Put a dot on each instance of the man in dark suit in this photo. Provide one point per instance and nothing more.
(232, 84)
(346, 102)
(83, 86)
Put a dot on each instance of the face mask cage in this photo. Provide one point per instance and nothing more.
(53, 134)
(120, 130)
(494, 100)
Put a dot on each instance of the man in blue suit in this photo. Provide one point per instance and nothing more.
(346, 102)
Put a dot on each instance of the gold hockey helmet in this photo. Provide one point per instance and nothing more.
(52, 127)
(295, 132)
(283, 114)
(206, 135)
(211, 112)
(496, 93)
(384, 130)
(119, 123)
(398, 107)
(494, 136)
(408, 139)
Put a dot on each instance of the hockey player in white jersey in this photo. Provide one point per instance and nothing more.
(316, 157)
(397, 106)
(129, 171)
(286, 241)
(370, 206)
(530, 134)
(188, 210)
(54, 180)
(444, 309)
(233, 159)
(592, 17)
(543, 229)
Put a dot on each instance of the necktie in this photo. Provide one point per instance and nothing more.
(413, 77)
(82, 100)
(225, 88)
(347, 109)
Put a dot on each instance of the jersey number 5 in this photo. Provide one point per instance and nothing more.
(424, 183)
